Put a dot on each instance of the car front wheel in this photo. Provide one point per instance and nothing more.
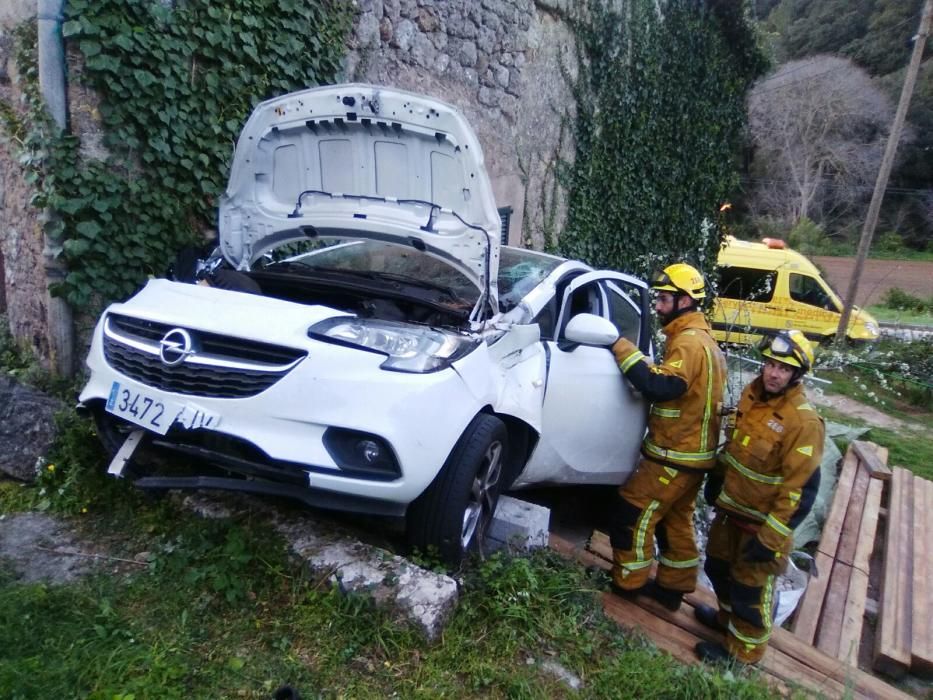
(454, 512)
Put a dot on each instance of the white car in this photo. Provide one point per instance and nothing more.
(361, 341)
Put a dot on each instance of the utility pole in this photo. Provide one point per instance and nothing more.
(871, 221)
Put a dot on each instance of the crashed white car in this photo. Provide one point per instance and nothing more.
(361, 341)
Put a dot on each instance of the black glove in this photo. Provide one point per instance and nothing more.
(755, 551)
(713, 487)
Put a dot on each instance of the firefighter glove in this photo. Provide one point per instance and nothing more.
(713, 487)
(622, 349)
(755, 551)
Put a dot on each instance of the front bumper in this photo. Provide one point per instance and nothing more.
(420, 418)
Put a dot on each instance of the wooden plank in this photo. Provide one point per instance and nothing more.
(599, 544)
(679, 632)
(921, 640)
(829, 633)
(829, 540)
(863, 684)
(851, 527)
(876, 465)
(807, 617)
(893, 632)
(868, 527)
(854, 615)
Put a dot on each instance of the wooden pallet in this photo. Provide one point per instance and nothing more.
(904, 639)
(832, 609)
(788, 664)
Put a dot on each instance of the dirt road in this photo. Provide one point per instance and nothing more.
(877, 277)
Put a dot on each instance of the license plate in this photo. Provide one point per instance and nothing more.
(149, 412)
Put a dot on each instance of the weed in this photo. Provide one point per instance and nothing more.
(71, 479)
(896, 298)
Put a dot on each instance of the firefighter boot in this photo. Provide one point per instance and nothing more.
(709, 616)
(715, 653)
(670, 599)
(627, 593)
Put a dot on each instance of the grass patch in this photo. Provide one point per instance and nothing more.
(220, 611)
(908, 316)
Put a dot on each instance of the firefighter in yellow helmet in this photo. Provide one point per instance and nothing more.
(764, 485)
(685, 389)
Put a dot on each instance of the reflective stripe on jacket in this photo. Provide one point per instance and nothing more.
(771, 463)
(684, 431)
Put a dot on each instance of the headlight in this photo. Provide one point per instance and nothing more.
(408, 348)
(872, 329)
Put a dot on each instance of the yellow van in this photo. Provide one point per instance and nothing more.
(765, 287)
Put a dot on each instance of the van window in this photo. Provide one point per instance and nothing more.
(807, 290)
(746, 283)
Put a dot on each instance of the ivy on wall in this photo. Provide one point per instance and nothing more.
(660, 111)
(176, 85)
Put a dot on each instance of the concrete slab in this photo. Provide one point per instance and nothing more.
(420, 597)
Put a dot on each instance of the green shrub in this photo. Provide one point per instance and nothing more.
(890, 242)
(896, 298)
(808, 238)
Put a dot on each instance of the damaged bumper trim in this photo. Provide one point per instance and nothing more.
(329, 500)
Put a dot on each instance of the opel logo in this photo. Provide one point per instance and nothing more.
(175, 346)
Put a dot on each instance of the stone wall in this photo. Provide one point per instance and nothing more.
(499, 61)
(24, 288)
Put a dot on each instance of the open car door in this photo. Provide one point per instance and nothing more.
(593, 422)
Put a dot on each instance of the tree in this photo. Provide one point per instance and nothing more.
(818, 127)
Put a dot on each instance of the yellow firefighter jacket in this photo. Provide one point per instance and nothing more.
(771, 462)
(683, 424)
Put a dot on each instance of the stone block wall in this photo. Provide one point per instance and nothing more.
(23, 294)
(500, 62)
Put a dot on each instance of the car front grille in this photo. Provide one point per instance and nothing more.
(218, 366)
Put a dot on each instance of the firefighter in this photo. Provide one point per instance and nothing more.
(680, 445)
(764, 485)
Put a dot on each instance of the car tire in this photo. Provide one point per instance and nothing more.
(454, 512)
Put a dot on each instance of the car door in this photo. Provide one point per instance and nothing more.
(592, 421)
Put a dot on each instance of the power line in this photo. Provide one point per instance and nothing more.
(909, 191)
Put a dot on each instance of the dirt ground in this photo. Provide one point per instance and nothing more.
(878, 276)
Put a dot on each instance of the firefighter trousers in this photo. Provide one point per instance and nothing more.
(656, 500)
(745, 590)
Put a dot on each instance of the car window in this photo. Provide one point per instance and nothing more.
(520, 271)
(808, 290)
(746, 283)
(547, 319)
(585, 300)
(624, 313)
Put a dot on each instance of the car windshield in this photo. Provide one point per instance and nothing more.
(376, 260)
(520, 271)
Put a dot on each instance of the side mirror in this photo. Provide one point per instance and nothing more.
(590, 329)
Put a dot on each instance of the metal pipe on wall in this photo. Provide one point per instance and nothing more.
(53, 88)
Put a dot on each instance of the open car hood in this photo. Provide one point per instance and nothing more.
(360, 161)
